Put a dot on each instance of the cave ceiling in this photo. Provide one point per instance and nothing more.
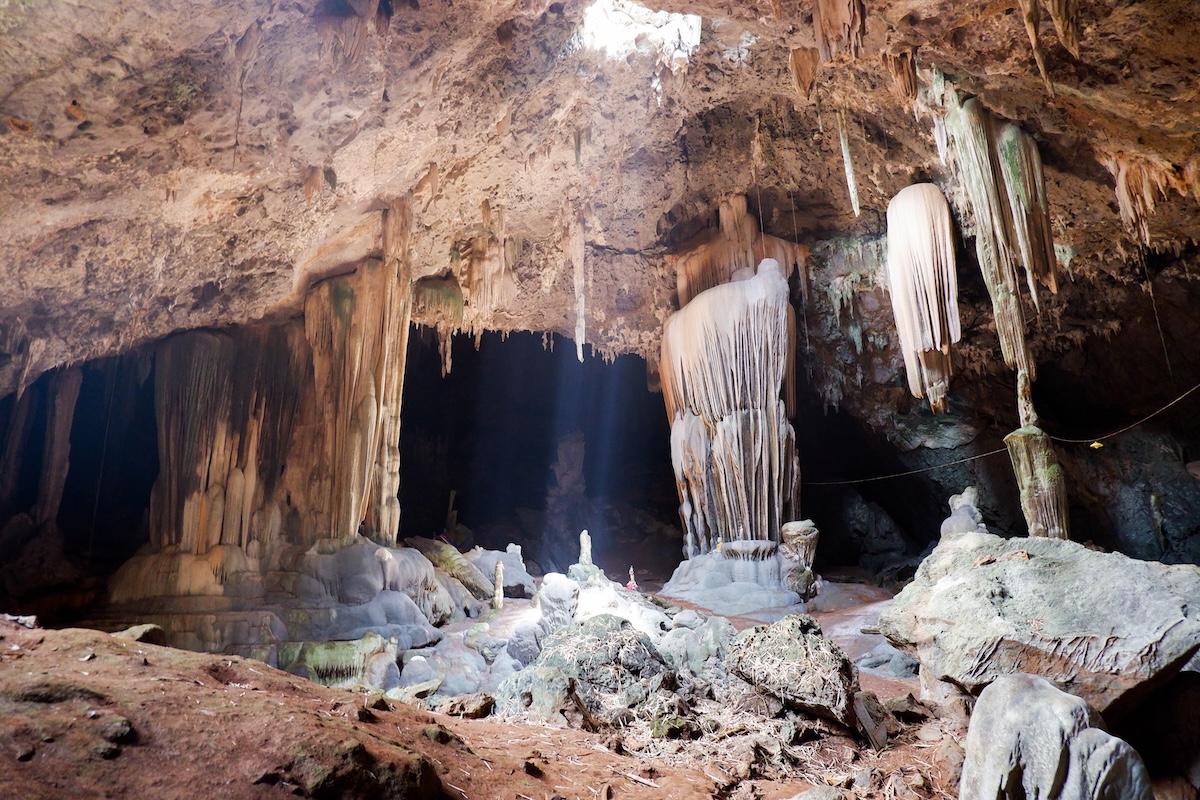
(177, 165)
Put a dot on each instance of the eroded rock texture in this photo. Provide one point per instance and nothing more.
(1102, 626)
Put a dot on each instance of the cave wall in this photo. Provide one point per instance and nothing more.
(185, 167)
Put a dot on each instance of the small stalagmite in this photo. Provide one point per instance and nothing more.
(924, 288)
(1039, 475)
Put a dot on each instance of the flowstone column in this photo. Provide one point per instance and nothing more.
(727, 364)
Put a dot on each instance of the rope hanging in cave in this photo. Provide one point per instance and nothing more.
(1093, 442)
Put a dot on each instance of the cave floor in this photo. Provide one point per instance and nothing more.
(203, 725)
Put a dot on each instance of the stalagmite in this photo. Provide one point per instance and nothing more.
(1039, 475)
(724, 360)
(924, 288)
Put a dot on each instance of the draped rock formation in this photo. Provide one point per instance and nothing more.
(715, 256)
(277, 442)
(924, 288)
(726, 357)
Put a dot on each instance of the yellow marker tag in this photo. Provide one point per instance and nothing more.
(1095, 445)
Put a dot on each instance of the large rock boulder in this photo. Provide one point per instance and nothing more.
(791, 660)
(1100, 625)
(1028, 739)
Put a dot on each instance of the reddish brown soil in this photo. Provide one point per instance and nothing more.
(203, 726)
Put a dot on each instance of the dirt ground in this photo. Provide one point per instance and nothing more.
(87, 715)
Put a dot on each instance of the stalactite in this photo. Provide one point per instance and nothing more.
(803, 62)
(345, 35)
(16, 434)
(193, 377)
(715, 256)
(1039, 475)
(924, 288)
(970, 127)
(724, 360)
(1140, 182)
(63, 393)
(848, 163)
(576, 252)
(902, 66)
(225, 405)
(1065, 14)
(438, 302)
(483, 260)
(839, 24)
(1031, 14)
(1024, 183)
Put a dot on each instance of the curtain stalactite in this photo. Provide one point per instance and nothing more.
(64, 392)
(924, 288)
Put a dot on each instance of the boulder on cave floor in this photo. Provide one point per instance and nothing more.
(791, 660)
(1028, 739)
(1102, 626)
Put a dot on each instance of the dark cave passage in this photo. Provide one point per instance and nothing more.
(536, 446)
(114, 463)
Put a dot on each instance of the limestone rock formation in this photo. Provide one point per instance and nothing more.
(1029, 739)
(1102, 626)
(726, 360)
(793, 661)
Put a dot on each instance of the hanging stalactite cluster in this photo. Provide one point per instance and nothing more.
(728, 377)
(1001, 172)
(924, 288)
